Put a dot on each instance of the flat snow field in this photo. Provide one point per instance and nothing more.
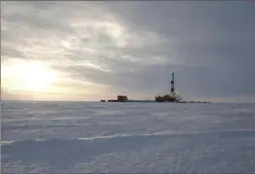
(93, 137)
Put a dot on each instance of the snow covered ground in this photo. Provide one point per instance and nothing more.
(68, 137)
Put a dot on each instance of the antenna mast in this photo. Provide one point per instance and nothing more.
(172, 84)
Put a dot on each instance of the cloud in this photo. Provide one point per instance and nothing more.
(132, 47)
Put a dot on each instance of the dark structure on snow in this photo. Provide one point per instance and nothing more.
(120, 98)
(172, 96)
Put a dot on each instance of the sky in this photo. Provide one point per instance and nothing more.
(53, 50)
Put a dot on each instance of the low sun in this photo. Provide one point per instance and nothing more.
(24, 75)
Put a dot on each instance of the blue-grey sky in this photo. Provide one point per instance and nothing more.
(91, 50)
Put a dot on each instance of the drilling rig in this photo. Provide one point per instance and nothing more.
(172, 97)
(172, 84)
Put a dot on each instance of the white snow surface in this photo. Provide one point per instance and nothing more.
(93, 137)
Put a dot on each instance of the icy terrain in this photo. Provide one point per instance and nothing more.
(85, 137)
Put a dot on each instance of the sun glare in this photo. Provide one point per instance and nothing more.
(24, 75)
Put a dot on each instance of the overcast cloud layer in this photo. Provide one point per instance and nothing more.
(133, 47)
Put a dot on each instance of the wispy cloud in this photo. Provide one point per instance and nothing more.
(132, 47)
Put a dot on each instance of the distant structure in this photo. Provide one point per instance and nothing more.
(120, 98)
(172, 96)
(172, 83)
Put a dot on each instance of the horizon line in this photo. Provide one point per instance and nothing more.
(107, 102)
